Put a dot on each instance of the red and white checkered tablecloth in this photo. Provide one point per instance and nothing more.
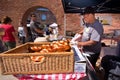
(70, 76)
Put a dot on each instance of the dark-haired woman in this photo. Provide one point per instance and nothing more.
(9, 37)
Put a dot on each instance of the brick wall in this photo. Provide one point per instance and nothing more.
(115, 22)
(19, 10)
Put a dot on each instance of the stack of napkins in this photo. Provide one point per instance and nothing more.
(76, 39)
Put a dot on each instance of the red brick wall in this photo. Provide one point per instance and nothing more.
(19, 9)
(115, 24)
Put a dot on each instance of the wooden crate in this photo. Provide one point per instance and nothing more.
(18, 61)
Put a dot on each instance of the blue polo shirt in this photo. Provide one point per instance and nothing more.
(93, 32)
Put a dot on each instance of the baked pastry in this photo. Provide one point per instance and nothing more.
(37, 58)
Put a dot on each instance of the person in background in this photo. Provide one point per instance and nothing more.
(2, 32)
(9, 38)
(21, 33)
(36, 28)
(46, 30)
(91, 35)
(0, 23)
(107, 61)
(1, 46)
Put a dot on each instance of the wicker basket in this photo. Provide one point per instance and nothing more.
(18, 61)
